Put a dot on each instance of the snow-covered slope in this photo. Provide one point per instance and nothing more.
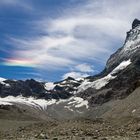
(2, 80)
(75, 102)
(38, 103)
(3, 83)
(98, 84)
(69, 85)
(49, 86)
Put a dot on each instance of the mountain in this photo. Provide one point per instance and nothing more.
(121, 74)
(89, 97)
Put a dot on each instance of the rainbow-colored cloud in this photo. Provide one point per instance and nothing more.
(19, 62)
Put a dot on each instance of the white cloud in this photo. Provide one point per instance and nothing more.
(85, 32)
(74, 75)
(84, 68)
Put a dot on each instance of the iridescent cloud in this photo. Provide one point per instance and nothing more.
(19, 62)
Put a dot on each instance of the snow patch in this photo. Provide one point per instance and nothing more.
(2, 80)
(49, 86)
(4, 103)
(98, 84)
(3, 83)
(76, 102)
(69, 108)
(132, 42)
(80, 79)
(122, 66)
(39, 103)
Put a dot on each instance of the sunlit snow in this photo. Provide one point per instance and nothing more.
(2, 80)
(76, 102)
(105, 80)
(49, 86)
(39, 103)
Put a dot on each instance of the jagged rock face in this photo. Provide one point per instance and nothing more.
(25, 88)
(130, 49)
(61, 90)
(135, 23)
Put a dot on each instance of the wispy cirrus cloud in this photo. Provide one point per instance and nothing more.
(80, 70)
(84, 68)
(84, 33)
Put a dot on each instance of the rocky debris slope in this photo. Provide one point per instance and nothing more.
(75, 130)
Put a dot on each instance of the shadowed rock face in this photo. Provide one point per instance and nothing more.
(135, 23)
(30, 88)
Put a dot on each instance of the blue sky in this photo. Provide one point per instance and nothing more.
(53, 39)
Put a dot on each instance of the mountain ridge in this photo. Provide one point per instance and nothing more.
(76, 97)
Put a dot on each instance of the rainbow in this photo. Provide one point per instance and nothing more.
(19, 62)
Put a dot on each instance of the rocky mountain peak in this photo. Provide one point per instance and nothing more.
(135, 23)
(130, 49)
